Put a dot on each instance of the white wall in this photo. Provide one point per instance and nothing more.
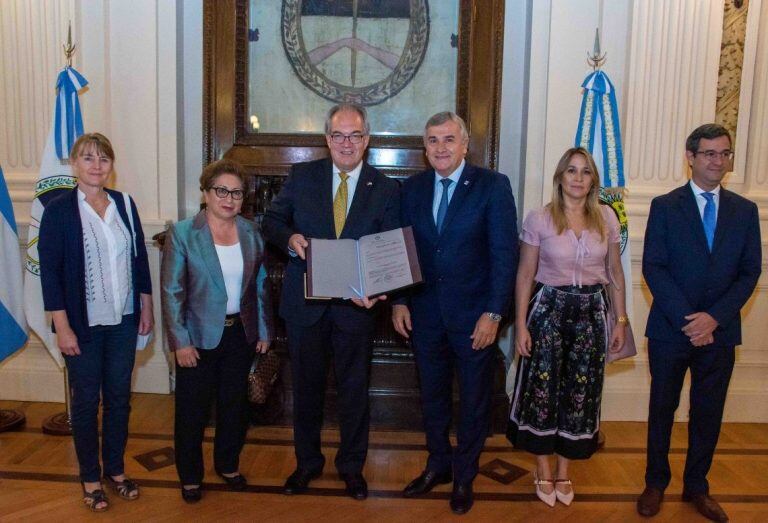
(128, 53)
(663, 58)
(192, 127)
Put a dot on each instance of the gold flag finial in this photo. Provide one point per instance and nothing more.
(69, 47)
(596, 60)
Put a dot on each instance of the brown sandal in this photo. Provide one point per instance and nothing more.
(126, 489)
(93, 499)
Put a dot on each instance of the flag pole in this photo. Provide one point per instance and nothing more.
(60, 424)
(596, 61)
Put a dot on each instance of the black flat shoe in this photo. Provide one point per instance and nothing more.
(357, 488)
(461, 498)
(191, 495)
(236, 483)
(298, 482)
(425, 482)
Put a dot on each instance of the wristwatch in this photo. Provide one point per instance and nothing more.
(494, 317)
(622, 320)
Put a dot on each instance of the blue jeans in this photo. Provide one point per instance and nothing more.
(103, 368)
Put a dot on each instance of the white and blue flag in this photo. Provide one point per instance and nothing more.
(68, 120)
(55, 176)
(13, 326)
(599, 133)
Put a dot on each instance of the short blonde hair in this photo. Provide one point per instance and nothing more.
(97, 141)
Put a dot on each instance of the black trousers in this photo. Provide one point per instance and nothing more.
(311, 350)
(711, 369)
(221, 373)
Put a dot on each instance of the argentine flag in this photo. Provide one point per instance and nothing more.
(13, 326)
(55, 176)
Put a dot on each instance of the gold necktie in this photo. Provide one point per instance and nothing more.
(340, 204)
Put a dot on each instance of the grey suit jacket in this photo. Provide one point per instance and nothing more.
(194, 296)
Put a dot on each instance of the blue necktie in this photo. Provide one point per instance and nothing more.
(709, 218)
(443, 208)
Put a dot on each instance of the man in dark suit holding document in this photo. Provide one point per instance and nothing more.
(465, 227)
(337, 197)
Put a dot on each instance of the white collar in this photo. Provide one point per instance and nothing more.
(354, 173)
(698, 190)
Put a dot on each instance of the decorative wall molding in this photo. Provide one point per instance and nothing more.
(671, 86)
(31, 34)
(754, 150)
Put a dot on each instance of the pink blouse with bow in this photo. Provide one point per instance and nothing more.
(565, 259)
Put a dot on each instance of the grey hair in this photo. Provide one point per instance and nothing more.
(359, 109)
(447, 116)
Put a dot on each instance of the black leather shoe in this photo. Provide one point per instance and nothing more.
(237, 483)
(298, 482)
(357, 488)
(191, 495)
(461, 498)
(428, 480)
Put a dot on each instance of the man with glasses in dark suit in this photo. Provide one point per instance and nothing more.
(337, 197)
(701, 260)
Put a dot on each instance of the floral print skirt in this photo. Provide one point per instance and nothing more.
(556, 402)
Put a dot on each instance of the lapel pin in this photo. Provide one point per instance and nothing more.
(369, 184)
(466, 182)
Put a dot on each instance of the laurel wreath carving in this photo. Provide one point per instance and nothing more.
(373, 94)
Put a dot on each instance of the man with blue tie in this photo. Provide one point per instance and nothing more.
(701, 261)
(465, 227)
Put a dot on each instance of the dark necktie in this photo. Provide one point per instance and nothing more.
(709, 218)
(443, 208)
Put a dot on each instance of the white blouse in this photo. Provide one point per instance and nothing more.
(231, 261)
(107, 248)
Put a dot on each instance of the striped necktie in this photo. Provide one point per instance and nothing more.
(340, 204)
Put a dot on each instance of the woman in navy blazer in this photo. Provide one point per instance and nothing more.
(96, 284)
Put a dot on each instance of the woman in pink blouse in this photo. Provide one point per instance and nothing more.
(569, 258)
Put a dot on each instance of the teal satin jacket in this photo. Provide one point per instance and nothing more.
(194, 296)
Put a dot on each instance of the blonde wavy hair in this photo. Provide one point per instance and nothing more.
(592, 212)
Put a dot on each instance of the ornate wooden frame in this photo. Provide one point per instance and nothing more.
(225, 133)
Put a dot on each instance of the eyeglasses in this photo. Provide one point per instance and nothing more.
(223, 192)
(713, 155)
(354, 138)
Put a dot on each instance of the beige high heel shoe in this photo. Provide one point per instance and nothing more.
(548, 498)
(562, 497)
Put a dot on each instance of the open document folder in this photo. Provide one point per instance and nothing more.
(373, 265)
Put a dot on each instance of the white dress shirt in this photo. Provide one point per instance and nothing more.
(108, 280)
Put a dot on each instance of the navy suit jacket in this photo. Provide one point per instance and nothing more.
(684, 277)
(469, 268)
(62, 259)
(305, 206)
